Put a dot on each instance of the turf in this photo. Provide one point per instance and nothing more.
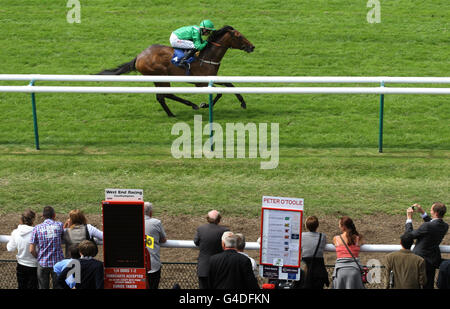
(328, 143)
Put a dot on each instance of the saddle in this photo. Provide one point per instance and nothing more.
(178, 54)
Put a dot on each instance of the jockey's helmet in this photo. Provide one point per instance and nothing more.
(207, 24)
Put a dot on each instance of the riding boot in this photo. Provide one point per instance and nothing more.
(186, 56)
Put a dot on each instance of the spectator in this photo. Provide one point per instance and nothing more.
(229, 269)
(76, 229)
(240, 246)
(428, 237)
(26, 270)
(74, 253)
(313, 246)
(347, 271)
(91, 270)
(408, 269)
(154, 229)
(208, 239)
(443, 281)
(47, 237)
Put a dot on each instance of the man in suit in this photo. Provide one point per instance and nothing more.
(408, 269)
(428, 237)
(208, 239)
(230, 269)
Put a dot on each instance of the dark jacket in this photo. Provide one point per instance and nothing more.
(443, 281)
(91, 275)
(209, 240)
(428, 237)
(231, 270)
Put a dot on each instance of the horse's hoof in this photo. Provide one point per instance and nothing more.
(244, 106)
(194, 107)
(204, 105)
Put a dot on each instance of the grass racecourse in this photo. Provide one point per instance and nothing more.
(328, 151)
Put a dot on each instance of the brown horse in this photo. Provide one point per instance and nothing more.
(156, 60)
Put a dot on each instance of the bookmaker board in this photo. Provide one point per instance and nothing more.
(124, 244)
(281, 230)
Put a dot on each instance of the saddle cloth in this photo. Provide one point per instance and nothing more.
(178, 54)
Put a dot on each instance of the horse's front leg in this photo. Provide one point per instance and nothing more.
(238, 96)
(206, 105)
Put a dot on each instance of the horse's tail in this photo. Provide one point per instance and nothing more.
(121, 69)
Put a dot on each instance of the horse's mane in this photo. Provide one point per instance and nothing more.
(215, 35)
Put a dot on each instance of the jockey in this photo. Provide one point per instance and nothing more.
(190, 37)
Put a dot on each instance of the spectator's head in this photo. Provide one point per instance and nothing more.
(438, 209)
(87, 248)
(77, 217)
(406, 240)
(229, 240)
(28, 217)
(48, 212)
(346, 225)
(312, 223)
(213, 217)
(148, 209)
(74, 251)
(240, 241)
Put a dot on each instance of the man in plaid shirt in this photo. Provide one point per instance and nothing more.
(45, 245)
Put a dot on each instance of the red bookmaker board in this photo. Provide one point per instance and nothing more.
(124, 245)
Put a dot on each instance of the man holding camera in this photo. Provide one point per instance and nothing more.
(428, 237)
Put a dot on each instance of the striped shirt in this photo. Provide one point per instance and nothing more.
(47, 236)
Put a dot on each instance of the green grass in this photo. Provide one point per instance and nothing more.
(328, 143)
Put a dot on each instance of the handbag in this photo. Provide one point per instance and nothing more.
(88, 237)
(364, 270)
(314, 269)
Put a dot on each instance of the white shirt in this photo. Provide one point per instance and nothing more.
(423, 216)
(20, 241)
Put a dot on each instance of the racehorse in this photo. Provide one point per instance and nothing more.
(156, 60)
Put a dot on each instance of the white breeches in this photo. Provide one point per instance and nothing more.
(183, 44)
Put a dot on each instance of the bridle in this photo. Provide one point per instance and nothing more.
(209, 61)
(212, 62)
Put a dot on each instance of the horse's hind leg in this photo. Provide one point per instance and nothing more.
(162, 101)
(174, 97)
(181, 100)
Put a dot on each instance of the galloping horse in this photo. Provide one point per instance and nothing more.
(156, 60)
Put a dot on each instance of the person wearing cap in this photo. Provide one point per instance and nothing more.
(190, 38)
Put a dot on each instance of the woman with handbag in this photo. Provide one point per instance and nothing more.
(348, 271)
(76, 229)
(313, 245)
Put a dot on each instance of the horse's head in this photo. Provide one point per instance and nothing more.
(228, 37)
(239, 41)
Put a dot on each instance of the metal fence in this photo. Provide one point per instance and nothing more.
(184, 274)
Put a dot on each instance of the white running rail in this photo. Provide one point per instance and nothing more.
(189, 244)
